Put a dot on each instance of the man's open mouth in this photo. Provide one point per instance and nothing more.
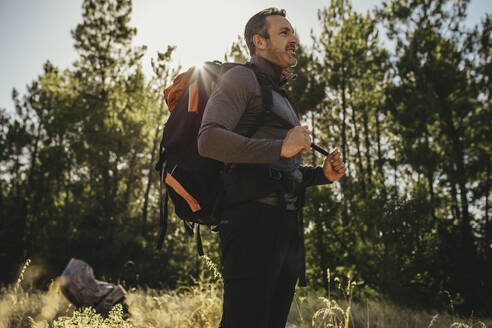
(291, 51)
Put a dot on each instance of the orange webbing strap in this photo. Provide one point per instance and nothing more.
(193, 97)
(173, 93)
(173, 183)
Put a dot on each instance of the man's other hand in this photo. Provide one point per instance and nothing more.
(298, 139)
(333, 167)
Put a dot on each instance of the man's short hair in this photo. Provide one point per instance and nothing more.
(257, 25)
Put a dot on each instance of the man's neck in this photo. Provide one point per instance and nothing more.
(270, 69)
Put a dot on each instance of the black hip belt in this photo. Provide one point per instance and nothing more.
(244, 183)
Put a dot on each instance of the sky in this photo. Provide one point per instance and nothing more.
(34, 31)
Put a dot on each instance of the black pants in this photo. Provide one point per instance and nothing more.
(261, 262)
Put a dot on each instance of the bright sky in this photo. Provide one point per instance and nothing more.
(33, 31)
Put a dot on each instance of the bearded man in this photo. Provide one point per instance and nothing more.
(262, 244)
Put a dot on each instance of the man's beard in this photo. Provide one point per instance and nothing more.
(281, 55)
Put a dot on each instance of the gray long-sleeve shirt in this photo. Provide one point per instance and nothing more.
(233, 108)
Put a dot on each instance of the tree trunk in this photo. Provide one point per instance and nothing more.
(320, 248)
(368, 145)
(459, 176)
(454, 206)
(32, 195)
(487, 192)
(380, 153)
(488, 228)
(361, 175)
(149, 178)
(430, 179)
(344, 156)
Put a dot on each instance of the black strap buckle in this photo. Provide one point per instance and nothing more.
(274, 174)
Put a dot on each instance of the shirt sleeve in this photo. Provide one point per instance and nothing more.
(224, 109)
(313, 176)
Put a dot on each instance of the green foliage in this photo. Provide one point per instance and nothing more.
(436, 115)
(410, 221)
(407, 127)
(88, 317)
(239, 52)
(77, 166)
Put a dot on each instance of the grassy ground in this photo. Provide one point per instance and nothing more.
(200, 306)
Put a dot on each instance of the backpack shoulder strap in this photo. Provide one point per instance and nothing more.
(266, 97)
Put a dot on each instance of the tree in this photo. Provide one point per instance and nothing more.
(479, 43)
(353, 67)
(239, 52)
(436, 115)
(109, 75)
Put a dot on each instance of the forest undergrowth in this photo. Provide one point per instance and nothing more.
(199, 305)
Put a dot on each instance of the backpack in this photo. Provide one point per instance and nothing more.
(192, 181)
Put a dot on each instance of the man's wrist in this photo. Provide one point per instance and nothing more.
(326, 177)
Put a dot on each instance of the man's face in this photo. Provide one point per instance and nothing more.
(281, 46)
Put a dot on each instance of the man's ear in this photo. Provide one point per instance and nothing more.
(259, 42)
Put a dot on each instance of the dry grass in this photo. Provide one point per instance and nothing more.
(200, 306)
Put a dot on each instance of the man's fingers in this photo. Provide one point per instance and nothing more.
(304, 129)
(336, 162)
(333, 154)
(298, 139)
(342, 172)
(339, 167)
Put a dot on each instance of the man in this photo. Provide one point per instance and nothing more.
(261, 236)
